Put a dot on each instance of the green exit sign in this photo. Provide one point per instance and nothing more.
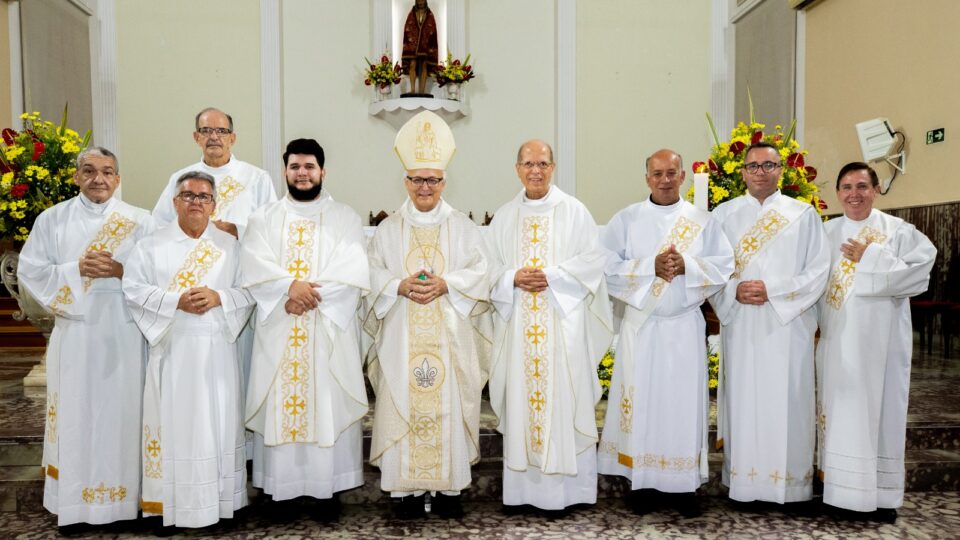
(935, 136)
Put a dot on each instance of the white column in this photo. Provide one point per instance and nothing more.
(382, 36)
(16, 65)
(800, 77)
(103, 56)
(722, 64)
(566, 117)
(457, 28)
(271, 91)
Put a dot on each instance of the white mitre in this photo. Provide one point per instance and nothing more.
(425, 142)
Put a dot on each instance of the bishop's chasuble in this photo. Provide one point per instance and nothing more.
(95, 361)
(428, 363)
(194, 469)
(655, 432)
(306, 395)
(547, 346)
(766, 395)
(863, 359)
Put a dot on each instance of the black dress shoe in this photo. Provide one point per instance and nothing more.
(446, 506)
(409, 507)
(688, 505)
(885, 515)
(328, 510)
(642, 501)
(75, 529)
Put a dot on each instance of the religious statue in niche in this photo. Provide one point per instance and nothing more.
(420, 49)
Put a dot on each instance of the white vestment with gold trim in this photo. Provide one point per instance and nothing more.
(766, 395)
(429, 362)
(547, 346)
(863, 359)
(95, 361)
(194, 469)
(306, 395)
(655, 432)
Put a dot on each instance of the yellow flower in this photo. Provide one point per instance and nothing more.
(24, 230)
(3, 206)
(70, 148)
(713, 383)
(730, 167)
(42, 173)
(21, 203)
(12, 152)
(18, 215)
(7, 179)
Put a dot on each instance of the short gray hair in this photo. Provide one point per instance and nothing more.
(197, 175)
(98, 151)
(196, 120)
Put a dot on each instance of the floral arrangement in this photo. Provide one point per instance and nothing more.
(713, 365)
(37, 167)
(382, 74)
(605, 371)
(726, 162)
(453, 71)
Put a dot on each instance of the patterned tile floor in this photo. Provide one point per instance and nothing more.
(924, 515)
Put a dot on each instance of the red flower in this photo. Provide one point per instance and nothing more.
(366, 82)
(811, 174)
(697, 165)
(468, 68)
(712, 165)
(37, 149)
(821, 204)
(8, 136)
(19, 190)
(384, 59)
(757, 137)
(791, 187)
(737, 147)
(396, 81)
(795, 160)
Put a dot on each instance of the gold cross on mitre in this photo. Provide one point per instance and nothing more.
(425, 142)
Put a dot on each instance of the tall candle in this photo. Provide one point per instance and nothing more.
(701, 182)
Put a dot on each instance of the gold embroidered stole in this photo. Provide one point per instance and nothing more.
(761, 234)
(295, 393)
(841, 279)
(195, 266)
(112, 233)
(228, 190)
(536, 317)
(425, 461)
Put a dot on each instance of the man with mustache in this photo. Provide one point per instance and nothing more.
(304, 262)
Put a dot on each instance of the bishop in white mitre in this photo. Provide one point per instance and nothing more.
(304, 262)
(666, 258)
(552, 326)
(429, 317)
(766, 394)
(866, 337)
(182, 284)
(72, 264)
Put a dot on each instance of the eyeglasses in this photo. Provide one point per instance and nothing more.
(529, 165)
(670, 175)
(189, 197)
(431, 181)
(208, 131)
(89, 173)
(767, 166)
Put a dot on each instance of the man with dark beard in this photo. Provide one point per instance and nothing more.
(303, 260)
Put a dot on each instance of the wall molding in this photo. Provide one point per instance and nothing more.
(722, 68)
(566, 96)
(271, 92)
(16, 65)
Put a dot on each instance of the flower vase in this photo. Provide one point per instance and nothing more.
(30, 309)
(383, 92)
(453, 91)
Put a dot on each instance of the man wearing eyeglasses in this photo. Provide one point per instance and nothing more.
(305, 264)
(552, 327)
(183, 286)
(766, 396)
(427, 312)
(241, 189)
(666, 257)
(72, 264)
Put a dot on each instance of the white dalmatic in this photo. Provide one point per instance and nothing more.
(863, 359)
(95, 361)
(193, 446)
(765, 418)
(655, 432)
(428, 364)
(547, 346)
(306, 395)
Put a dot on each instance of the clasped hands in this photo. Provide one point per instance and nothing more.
(198, 300)
(100, 264)
(302, 297)
(752, 291)
(422, 291)
(530, 279)
(853, 250)
(669, 264)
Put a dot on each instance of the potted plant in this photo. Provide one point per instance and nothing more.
(452, 73)
(382, 75)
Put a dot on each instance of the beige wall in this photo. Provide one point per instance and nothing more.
(643, 83)
(867, 59)
(512, 99)
(5, 120)
(174, 58)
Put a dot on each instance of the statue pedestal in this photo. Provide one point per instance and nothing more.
(30, 310)
(396, 112)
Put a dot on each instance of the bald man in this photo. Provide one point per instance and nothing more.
(553, 325)
(666, 257)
